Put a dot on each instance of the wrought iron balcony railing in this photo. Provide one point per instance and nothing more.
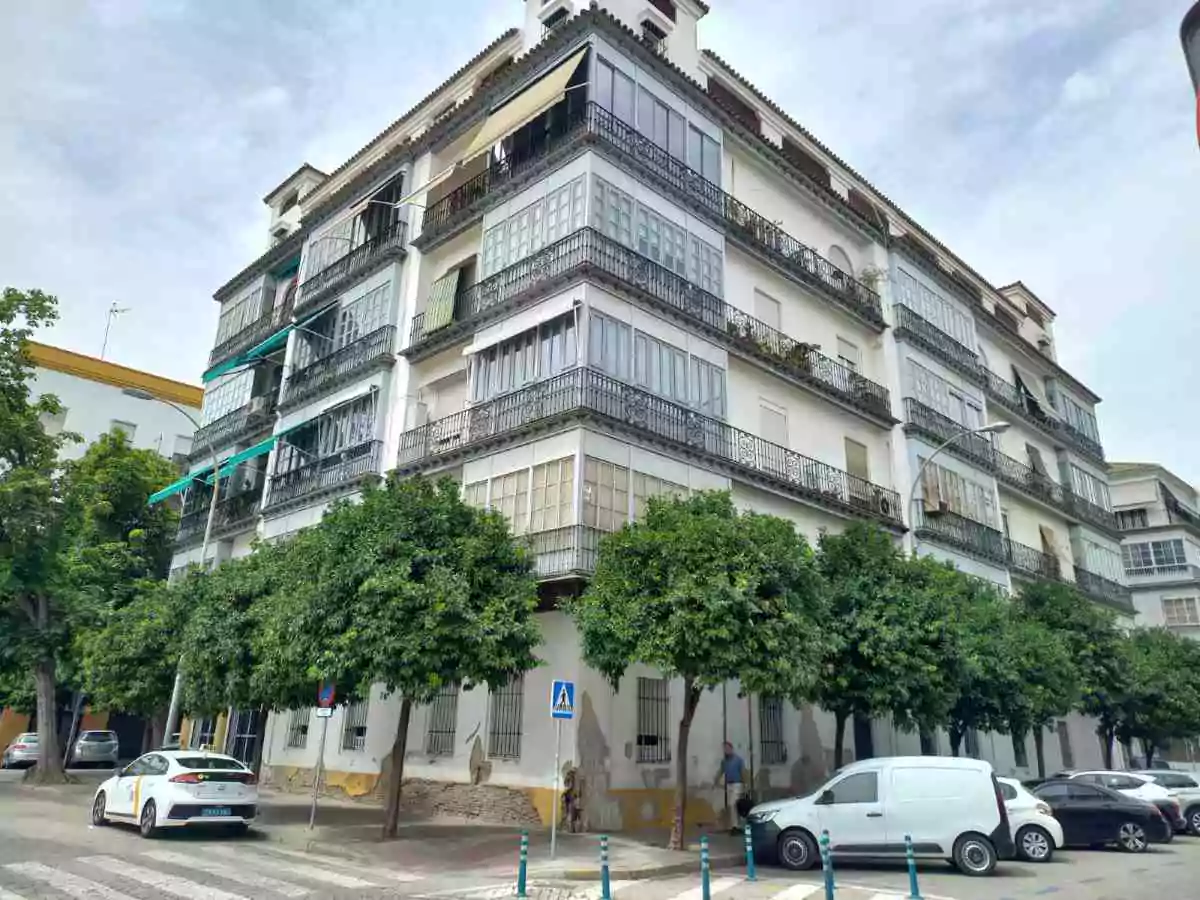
(595, 124)
(254, 417)
(932, 339)
(357, 263)
(1011, 398)
(563, 552)
(1026, 560)
(335, 472)
(962, 533)
(1103, 589)
(586, 394)
(587, 250)
(268, 322)
(236, 512)
(931, 424)
(324, 374)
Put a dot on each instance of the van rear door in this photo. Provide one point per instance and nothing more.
(935, 804)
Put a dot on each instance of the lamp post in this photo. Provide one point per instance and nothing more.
(993, 428)
(177, 688)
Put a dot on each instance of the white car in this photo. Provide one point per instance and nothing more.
(1183, 787)
(1139, 787)
(1035, 831)
(173, 788)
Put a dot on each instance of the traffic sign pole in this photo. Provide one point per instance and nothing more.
(557, 778)
(562, 706)
(312, 813)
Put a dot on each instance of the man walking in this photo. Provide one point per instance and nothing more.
(733, 770)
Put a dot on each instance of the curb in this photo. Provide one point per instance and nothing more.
(634, 873)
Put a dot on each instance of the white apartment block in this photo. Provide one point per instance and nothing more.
(596, 265)
(1159, 517)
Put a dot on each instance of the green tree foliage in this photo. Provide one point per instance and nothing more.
(1161, 700)
(701, 592)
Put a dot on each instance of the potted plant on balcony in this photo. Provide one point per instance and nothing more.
(872, 277)
(800, 357)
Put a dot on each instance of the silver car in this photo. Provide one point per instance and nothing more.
(23, 751)
(95, 748)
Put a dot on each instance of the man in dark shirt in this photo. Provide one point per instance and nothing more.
(733, 770)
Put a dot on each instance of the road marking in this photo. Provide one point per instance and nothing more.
(73, 885)
(716, 887)
(593, 892)
(172, 884)
(390, 874)
(9, 895)
(316, 874)
(797, 892)
(228, 872)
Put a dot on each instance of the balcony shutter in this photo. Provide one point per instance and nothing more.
(439, 312)
(1036, 461)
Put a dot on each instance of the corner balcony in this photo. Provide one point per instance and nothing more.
(323, 477)
(952, 530)
(589, 253)
(235, 514)
(596, 126)
(268, 322)
(910, 326)
(338, 368)
(568, 552)
(1039, 486)
(1010, 397)
(357, 264)
(584, 395)
(936, 428)
(1104, 590)
(254, 418)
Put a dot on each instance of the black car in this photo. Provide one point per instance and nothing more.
(1092, 815)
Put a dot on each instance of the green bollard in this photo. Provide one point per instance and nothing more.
(914, 893)
(605, 887)
(522, 871)
(827, 865)
(705, 888)
(751, 875)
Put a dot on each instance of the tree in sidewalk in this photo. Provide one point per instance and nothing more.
(411, 588)
(1158, 704)
(703, 593)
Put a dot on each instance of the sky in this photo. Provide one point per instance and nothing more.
(1047, 141)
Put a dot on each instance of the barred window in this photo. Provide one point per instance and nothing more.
(297, 729)
(203, 732)
(354, 725)
(770, 730)
(443, 716)
(505, 710)
(653, 720)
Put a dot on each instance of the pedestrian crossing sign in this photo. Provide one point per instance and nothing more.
(562, 700)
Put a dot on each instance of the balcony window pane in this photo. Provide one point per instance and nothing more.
(605, 495)
(553, 495)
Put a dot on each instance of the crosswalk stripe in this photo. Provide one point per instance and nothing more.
(379, 872)
(9, 895)
(291, 868)
(797, 892)
(226, 871)
(172, 884)
(72, 885)
(716, 887)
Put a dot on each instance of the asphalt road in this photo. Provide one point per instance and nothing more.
(48, 850)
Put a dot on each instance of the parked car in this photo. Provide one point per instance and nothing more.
(951, 808)
(175, 788)
(95, 748)
(22, 752)
(1092, 815)
(1140, 762)
(1036, 833)
(1184, 788)
(1139, 788)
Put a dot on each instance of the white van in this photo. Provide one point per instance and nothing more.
(951, 808)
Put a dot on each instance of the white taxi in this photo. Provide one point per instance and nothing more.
(173, 788)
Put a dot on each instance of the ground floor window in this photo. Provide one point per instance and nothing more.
(354, 726)
(653, 720)
(505, 712)
(297, 728)
(443, 715)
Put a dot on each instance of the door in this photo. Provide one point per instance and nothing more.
(849, 809)
(1095, 811)
(150, 781)
(1058, 796)
(121, 801)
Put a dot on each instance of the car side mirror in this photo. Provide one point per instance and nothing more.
(825, 799)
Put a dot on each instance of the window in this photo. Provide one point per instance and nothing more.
(773, 423)
(856, 460)
(202, 734)
(770, 730)
(129, 428)
(239, 314)
(362, 316)
(354, 725)
(1180, 611)
(1154, 557)
(937, 393)
(608, 345)
(860, 788)
(1020, 754)
(1102, 560)
(612, 212)
(510, 498)
(708, 388)
(554, 216)
(226, 394)
(297, 729)
(1035, 460)
(443, 714)
(660, 368)
(475, 493)
(704, 154)
(653, 720)
(1055, 790)
(848, 354)
(945, 488)
(660, 123)
(1007, 791)
(505, 709)
(614, 90)
(940, 313)
(1128, 519)
(347, 425)
(647, 486)
(840, 258)
(1077, 417)
(553, 496)
(768, 310)
(605, 495)
(660, 240)
(541, 352)
(1089, 487)
(704, 266)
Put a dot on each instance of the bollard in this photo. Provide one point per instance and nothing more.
(750, 873)
(914, 892)
(605, 888)
(524, 866)
(827, 865)
(705, 888)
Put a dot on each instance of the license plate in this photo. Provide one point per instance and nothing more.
(216, 811)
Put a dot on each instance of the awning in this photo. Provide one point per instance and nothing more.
(179, 486)
(1033, 388)
(525, 107)
(221, 368)
(523, 321)
(262, 447)
(271, 344)
(439, 311)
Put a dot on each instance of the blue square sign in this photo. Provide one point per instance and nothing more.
(562, 700)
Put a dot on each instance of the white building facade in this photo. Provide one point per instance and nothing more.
(596, 266)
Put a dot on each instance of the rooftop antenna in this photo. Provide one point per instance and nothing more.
(113, 312)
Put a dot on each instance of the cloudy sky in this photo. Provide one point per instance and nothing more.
(1047, 140)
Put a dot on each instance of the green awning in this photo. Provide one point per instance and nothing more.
(274, 342)
(228, 465)
(221, 368)
(176, 487)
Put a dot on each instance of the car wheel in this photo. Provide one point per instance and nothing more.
(146, 824)
(1193, 819)
(1131, 837)
(1035, 844)
(974, 855)
(98, 810)
(797, 850)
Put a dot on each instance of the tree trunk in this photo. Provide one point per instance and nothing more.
(158, 728)
(1106, 745)
(839, 738)
(260, 738)
(1127, 743)
(391, 817)
(1039, 750)
(956, 737)
(49, 764)
(1148, 749)
(691, 699)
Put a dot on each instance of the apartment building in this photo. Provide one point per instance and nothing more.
(594, 266)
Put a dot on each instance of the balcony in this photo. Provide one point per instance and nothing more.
(587, 251)
(254, 418)
(564, 552)
(1027, 561)
(584, 394)
(937, 428)
(339, 367)
(937, 343)
(356, 264)
(235, 513)
(268, 322)
(1169, 572)
(328, 475)
(597, 126)
(967, 535)
(1104, 590)
(1011, 398)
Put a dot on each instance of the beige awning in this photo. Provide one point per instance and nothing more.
(524, 108)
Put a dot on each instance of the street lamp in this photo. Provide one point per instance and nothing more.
(177, 689)
(993, 428)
